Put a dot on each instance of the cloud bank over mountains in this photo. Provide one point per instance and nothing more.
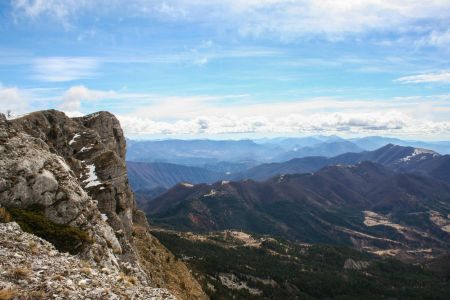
(153, 114)
(391, 123)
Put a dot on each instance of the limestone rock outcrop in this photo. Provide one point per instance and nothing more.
(75, 169)
(31, 268)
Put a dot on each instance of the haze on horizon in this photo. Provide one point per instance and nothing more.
(232, 69)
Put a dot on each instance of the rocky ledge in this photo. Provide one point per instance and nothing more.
(31, 268)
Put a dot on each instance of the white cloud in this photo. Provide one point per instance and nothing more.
(436, 38)
(410, 116)
(390, 123)
(154, 114)
(440, 77)
(61, 69)
(12, 99)
(61, 10)
(73, 97)
(282, 18)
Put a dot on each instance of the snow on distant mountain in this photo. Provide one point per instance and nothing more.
(399, 158)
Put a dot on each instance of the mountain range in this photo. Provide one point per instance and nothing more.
(238, 155)
(146, 178)
(392, 199)
(398, 158)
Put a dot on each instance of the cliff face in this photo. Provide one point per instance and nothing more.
(75, 169)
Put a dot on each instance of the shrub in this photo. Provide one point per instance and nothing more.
(65, 238)
(5, 217)
(130, 280)
(33, 247)
(37, 295)
(7, 294)
(19, 273)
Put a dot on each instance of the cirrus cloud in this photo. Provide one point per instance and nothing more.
(61, 69)
(285, 19)
(439, 77)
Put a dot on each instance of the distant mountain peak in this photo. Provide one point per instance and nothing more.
(422, 153)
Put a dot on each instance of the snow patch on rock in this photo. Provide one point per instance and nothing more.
(419, 151)
(84, 149)
(92, 179)
(211, 193)
(77, 135)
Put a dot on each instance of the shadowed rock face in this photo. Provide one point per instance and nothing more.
(75, 168)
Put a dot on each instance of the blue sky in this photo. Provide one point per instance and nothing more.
(219, 68)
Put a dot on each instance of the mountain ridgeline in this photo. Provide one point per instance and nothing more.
(152, 179)
(393, 199)
(398, 158)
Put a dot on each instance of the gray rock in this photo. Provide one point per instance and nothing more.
(45, 183)
(75, 168)
(51, 274)
(3, 127)
(30, 166)
(351, 264)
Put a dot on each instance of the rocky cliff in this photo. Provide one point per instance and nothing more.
(72, 172)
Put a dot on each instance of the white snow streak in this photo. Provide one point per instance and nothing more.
(92, 179)
(77, 135)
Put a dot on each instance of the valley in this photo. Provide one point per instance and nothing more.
(236, 265)
(372, 224)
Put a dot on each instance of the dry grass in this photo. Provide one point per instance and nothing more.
(36, 295)
(86, 270)
(5, 217)
(7, 294)
(33, 248)
(58, 277)
(131, 280)
(85, 263)
(19, 273)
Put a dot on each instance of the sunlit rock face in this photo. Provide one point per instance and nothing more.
(74, 170)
